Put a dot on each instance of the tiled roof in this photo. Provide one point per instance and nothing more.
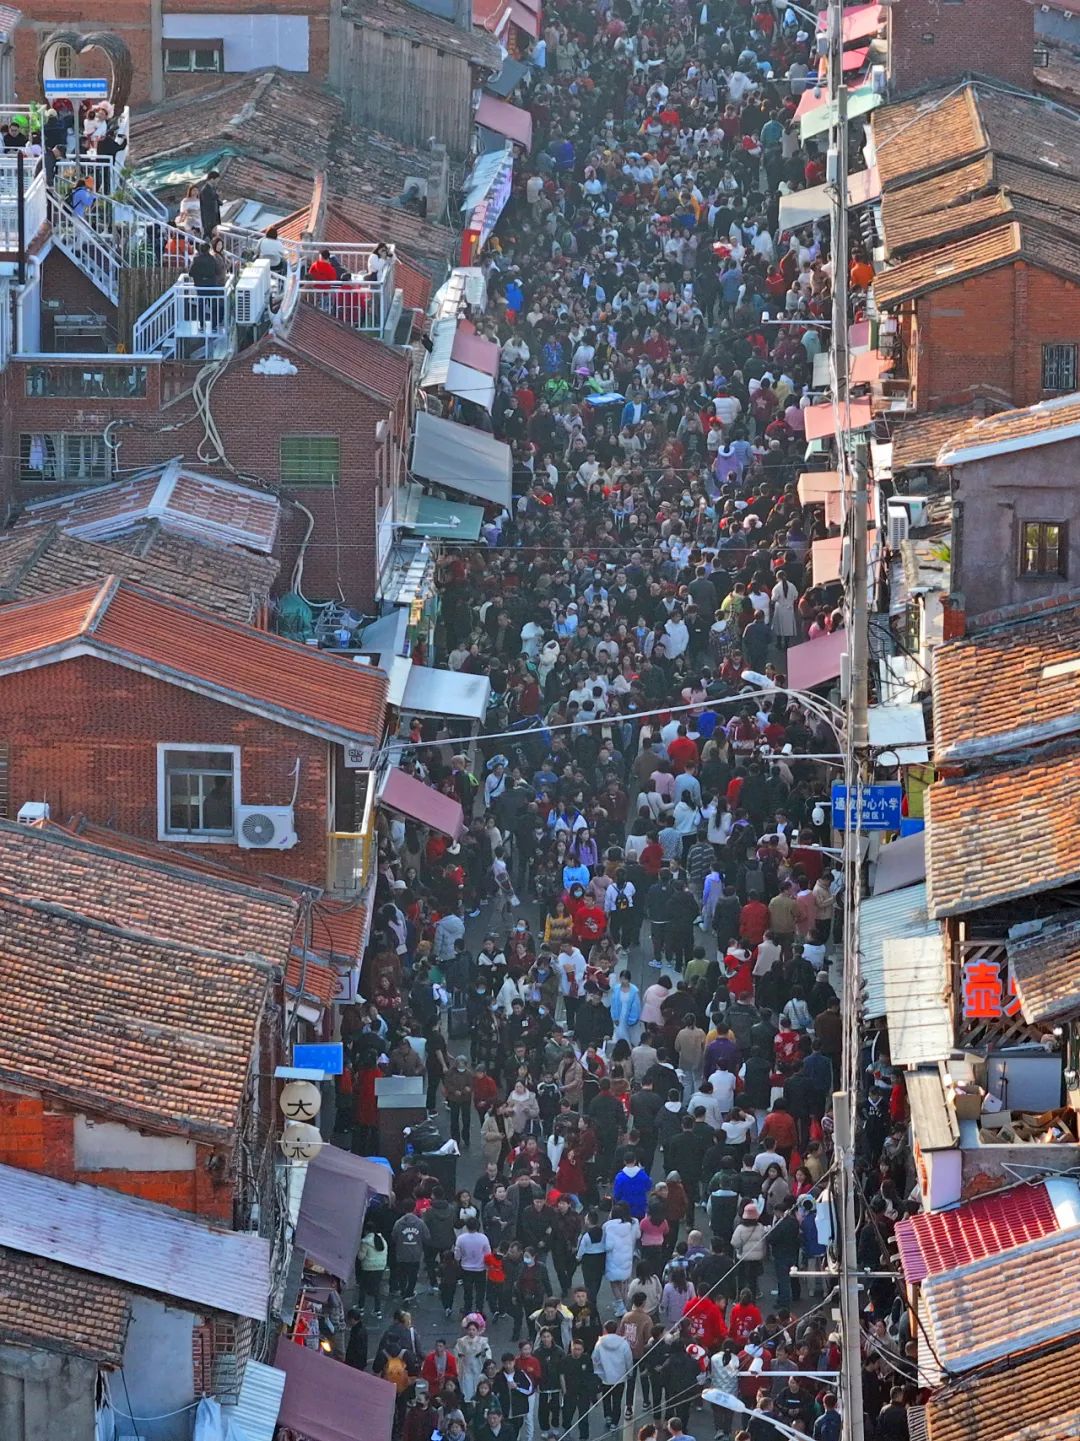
(338, 929)
(397, 17)
(1004, 1303)
(230, 582)
(280, 122)
(947, 265)
(149, 1032)
(1030, 1399)
(1032, 808)
(1008, 686)
(169, 901)
(1043, 424)
(423, 239)
(1046, 968)
(917, 441)
(942, 1240)
(56, 1308)
(376, 369)
(907, 208)
(217, 511)
(292, 684)
(319, 982)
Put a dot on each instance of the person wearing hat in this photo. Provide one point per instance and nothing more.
(749, 1241)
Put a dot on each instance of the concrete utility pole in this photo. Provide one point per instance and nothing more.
(856, 741)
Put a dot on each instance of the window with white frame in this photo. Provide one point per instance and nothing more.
(198, 792)
(199, 56)
(63, 458)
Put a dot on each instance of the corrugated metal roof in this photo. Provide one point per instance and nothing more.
(900, 913)
(259, 1403)
(108, 1234)
(918, 1002)
(1004, 1303)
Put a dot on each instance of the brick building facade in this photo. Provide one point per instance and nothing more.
(230, 36)
(933, 40)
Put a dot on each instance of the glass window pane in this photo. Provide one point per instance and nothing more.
(1030, 557)
(1051, 548)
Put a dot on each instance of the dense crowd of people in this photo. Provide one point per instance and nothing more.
(642, 1033)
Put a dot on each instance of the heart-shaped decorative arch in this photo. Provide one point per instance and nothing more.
(111, 46)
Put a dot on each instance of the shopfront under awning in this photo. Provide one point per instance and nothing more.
(816, 662)
(462, 458)
(331, 1217)
(452, 693)
(822, 421)
(326, 1400)
(509, 120)
(437, 519)
(404, 793)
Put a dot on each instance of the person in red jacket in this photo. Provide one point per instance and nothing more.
(779, 1128)
(682, 752)
(744, 1318)
(753, 922)
(322, 269)
(438, 1366)
(705, 1322)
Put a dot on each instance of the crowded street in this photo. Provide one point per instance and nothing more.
(635, 949)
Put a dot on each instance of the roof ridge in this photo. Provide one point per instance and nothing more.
(100, 604)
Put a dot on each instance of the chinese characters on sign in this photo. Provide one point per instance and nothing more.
(880, 808)
(983, 997)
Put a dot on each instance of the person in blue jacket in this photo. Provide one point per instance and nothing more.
(632, 1186)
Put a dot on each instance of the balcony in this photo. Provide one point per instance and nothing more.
(34, 198)
(360, 304)
(100, 377)
(351, 854)
(187, 322)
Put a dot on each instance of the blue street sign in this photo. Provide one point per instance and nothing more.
(85, 88)
(329, 1057)
(880, 807)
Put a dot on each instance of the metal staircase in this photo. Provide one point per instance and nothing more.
(95, 254)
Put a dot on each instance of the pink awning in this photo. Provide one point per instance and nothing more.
(815, 485)
(525, 19)
(834, 509)
(859, 335)
(326, 1400)
(864, 186)
(826, 557)
(821, 419)
(816, 661)
(871, 365)
(810, 100)
(505, 119)
(856, 59)
(404, 793)
(860, 22)
(473, 350)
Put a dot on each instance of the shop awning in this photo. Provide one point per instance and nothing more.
(423, 803)
(871, 365)
(509, 120)
(859, 22)
(816, 662)
(524, 19)
(815, 202)
(900, 913)
(485, 173)
(834, 508)
(815, 485)
(810, 99)
(331, 1217)
(437, 519)
(918, 1000)
(902, 729)
(513, 72)
(822, 117)
(447, 693)
(826, 557)
(821, 420)
(861, 336)
(441, 371)
(325, 1400)
(901, 863)
(462, 458)
(475, 350)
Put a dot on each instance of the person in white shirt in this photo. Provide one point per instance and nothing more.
(723, 1088)
(678, 637)
(704, 1099)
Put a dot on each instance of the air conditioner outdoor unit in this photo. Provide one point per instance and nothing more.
(265, 828)
(31, 811)
(253, 292)
(902, 513)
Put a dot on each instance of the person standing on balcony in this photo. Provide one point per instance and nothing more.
(189, 216)
(207, 274)
(210, 204)
(378, 262)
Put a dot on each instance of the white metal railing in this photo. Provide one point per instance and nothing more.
(186, 312)
(360, 304)
(94, 254)
(34, 200)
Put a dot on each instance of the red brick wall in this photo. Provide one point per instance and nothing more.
(36, 1138)
(933, 40)
(130, 19)
(83, 734)
(253, 413)
(989, 331)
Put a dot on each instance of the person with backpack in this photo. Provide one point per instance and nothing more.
(371, 1263)
(620, 906)
(410, 1236)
